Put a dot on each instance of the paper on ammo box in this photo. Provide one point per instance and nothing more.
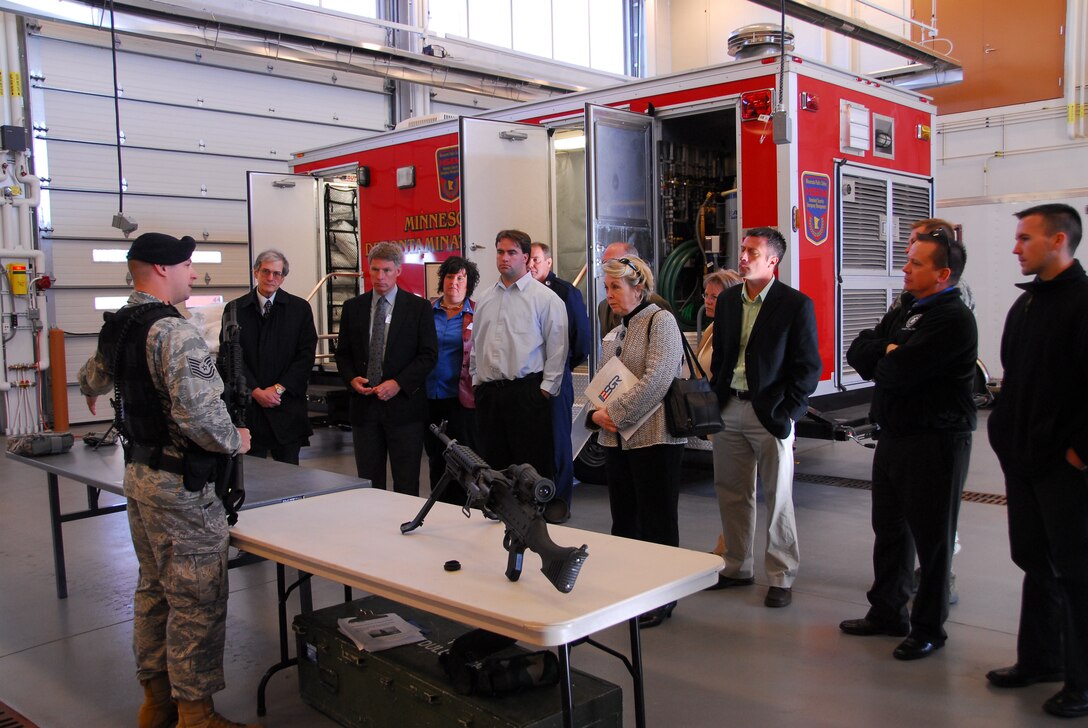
(379, 633)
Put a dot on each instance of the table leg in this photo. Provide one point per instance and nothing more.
(285, 661)
(566, 693)
(58, 536)
(636, 673)
(306, 603)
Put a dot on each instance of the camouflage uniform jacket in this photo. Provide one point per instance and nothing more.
(190, 388)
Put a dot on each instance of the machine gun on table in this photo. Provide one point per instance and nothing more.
(516, 496)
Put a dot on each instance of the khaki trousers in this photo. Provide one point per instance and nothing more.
(741, 451)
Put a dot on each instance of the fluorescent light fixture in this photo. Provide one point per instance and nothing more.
(109, 303)
(570, 143)
(120, 255)
(109, 255)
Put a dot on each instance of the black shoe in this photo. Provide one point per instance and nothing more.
(728, 582)
(913, 648)
(1016, 677)
(866, 627)
(655, 617)
(778, 596)
(1068, 703)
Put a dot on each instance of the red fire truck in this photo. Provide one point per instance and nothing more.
(677, 165)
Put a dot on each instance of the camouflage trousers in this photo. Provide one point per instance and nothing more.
(180, 606)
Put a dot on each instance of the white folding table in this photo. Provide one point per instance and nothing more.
(353, 538)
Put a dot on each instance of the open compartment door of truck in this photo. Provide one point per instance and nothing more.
(619, 197)
(284, 213)
(505, 184)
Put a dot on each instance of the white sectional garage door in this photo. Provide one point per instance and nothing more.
(193, 121)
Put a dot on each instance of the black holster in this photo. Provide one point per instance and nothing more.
(200, 469)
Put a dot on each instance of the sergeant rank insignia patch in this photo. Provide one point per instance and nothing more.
(204, 368)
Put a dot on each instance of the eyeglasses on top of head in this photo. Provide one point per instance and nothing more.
(937, 235)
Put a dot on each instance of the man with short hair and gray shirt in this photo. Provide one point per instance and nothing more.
(519, 354)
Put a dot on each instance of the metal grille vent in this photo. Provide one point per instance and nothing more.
(910, 203)
(862, 308)
(994, 499)
(864, 216)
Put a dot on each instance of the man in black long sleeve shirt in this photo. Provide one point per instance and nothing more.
(921, 357)
(1039, 430)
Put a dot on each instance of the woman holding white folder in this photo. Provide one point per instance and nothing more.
(642, 460)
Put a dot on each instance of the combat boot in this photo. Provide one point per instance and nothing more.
(201, 714)
(159, 709)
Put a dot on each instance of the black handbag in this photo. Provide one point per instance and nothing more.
(691, 406)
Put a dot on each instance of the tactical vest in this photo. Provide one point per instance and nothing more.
(140, 411)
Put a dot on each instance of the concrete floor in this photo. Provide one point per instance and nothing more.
(722, 659)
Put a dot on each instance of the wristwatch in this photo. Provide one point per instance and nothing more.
(280, 389)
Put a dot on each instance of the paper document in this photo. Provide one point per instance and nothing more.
(379, 633)
(612, 380)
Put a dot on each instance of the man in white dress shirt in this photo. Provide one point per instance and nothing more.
(519, 354)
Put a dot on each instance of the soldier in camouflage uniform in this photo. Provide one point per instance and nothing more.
(180, 535)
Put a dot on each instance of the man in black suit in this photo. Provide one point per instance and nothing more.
(765, 365)
(278, 344)
(386, 348)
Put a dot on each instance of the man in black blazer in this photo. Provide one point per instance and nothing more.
(388, 402)
(278, 344)
(766, 363)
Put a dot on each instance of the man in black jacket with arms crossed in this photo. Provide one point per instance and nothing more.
(921, 356)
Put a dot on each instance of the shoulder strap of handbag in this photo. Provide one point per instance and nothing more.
(693, 362)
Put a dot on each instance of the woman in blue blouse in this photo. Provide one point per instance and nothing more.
(449, 386)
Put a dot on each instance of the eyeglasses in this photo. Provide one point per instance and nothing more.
(936, 235)
(710, 296)
(271, 273)
(627, 262)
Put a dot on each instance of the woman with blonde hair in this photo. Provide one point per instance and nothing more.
(642, 466)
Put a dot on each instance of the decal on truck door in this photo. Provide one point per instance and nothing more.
(448, 162)
(816, 193)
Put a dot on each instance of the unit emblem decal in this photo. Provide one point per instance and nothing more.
(448, 162)
(816, 196)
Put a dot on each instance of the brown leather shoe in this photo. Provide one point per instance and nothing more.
(778, 596)
(1068, 703)
(866, 627)
(1015, 676)
(913, 648)
(728, 582)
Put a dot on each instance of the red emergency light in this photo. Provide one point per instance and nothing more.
(755, 104)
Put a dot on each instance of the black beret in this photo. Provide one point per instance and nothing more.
(161, 249)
